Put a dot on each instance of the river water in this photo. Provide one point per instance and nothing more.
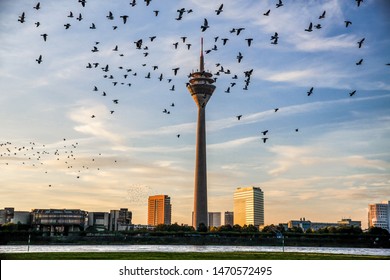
(188, 248)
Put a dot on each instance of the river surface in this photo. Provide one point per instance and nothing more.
(189, 248)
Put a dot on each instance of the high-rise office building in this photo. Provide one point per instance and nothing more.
(214, 219)
(159, 210)
(249, 206)
(379, 215)
(229, 218)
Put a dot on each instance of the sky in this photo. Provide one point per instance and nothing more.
(327, 155)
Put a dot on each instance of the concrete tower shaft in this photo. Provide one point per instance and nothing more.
(201, 89)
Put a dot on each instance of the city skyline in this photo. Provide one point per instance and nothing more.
(310, 128)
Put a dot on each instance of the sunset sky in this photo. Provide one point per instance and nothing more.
(327, 155)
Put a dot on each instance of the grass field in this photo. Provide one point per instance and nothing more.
(185, 256)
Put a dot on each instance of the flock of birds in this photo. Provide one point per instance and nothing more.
(128, 75)
(43, 157)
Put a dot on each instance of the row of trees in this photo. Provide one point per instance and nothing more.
(276, 229)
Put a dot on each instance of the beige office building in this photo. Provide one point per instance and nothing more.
(159, 210)
(249, 206)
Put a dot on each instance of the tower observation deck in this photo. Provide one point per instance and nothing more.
(201, 89)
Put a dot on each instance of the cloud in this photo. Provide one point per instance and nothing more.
(97, 127)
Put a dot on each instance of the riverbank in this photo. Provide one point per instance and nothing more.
(185, 256)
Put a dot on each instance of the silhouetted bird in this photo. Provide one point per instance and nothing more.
(110, 16)
(310, 92)
(37, 6)
(347, 23)
(44, 36)
(239, 117)
(249, 40)
(39, 59)
(219, 9)
(264, 139)
(359, 62)
(124, 17)
(310, 29)
(267, 13)
(358, 2)
(138, 44)
(360, 43)
(352, 93)
(238, 30)
(22, 18)
(205, 25)
(239, 57)
(67, 26)
(323, 15)
(148, 2)
(280, 4)
(175, 70)
(264, 132)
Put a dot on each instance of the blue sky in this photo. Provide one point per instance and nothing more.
(336, 164)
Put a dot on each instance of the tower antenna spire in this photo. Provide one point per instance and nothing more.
(201, 66)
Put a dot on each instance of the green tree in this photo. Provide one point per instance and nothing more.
(377, 231)
(237, 228)
(202, 228)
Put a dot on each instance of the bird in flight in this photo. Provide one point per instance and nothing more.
(358, 2)
(37, 6)
(82, 2)
(239, 117)
(264, 132)
(310, 92)
(352, 93)
(347, 23)
(279, 4)
(39, 59)
(249, 40)
(360, 43)
(205, 25)
(322, 16)
(124, 17)
(267, 13)
(44, 36)
(239, 57)
(219, 9)
(264, 139)
(175, 70)
(110, 16)
(310, 29)
(22, 18)
(359, 62)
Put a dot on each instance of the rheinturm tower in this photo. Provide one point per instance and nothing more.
(201, 89)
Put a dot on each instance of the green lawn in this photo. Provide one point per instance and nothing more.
(185, 256)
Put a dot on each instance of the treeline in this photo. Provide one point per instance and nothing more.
(272, 229)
